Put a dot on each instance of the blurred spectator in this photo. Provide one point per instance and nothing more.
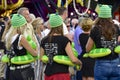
(24, 11)
(70, 31)
(77, 32)
(46, 29)
(2, 27)
(32, 16)
(88, 63)
(63, 12)
(74, 23)
(38, 27)
(2, 48)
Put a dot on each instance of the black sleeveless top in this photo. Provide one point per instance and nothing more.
(18, 52)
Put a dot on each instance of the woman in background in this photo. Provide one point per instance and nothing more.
(88, 63)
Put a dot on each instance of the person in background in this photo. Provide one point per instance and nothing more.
(57, 44)
(24, 11)
(32, 16)
(74, 23)
(68, 24)
(116, 22)
(4, 69)
(3, 26)
(38, 26)
(88, 63)
(105, 34)
(63, 12)
(71, 68)
(47, 28)
(77, 32)
(19, 45)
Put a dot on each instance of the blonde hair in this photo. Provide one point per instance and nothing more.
(86, 24)
(11, 32)
(37, 22)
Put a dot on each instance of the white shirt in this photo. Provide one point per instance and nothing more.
(65, 30)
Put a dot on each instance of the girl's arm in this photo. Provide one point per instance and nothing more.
(89, 44)
(71, 55)
(27, 46)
